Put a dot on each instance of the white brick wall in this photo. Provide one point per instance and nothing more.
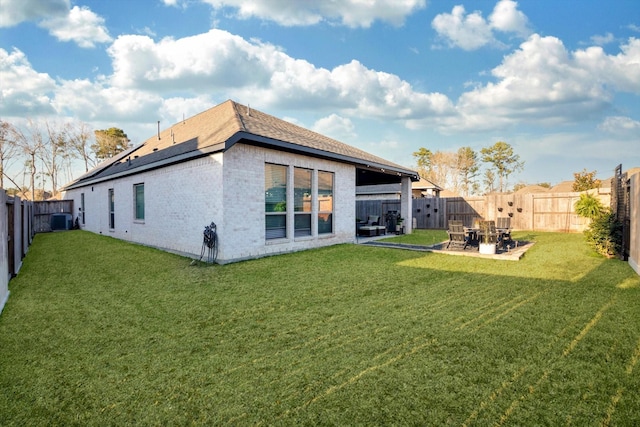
(242, 235)
(181, 200)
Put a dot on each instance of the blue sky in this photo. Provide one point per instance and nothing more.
(557, 80)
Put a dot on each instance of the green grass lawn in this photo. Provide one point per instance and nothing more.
(101, 332)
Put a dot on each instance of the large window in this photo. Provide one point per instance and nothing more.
(302, 201)
(138, 195)
(112, 210)
(275, 201)
(325, 202)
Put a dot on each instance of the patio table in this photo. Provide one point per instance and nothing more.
(472, 232)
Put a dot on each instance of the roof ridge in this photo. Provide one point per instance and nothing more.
(235, 106)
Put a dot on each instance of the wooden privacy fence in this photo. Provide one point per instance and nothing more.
(43, 211)
(528, 211)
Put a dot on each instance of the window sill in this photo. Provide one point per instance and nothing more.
(326, 236)
(276, 241)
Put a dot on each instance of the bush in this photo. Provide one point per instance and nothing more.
(589, 206)
(605, 234)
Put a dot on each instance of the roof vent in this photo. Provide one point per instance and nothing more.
(158, 130)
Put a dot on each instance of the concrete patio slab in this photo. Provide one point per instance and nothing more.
(510, 254)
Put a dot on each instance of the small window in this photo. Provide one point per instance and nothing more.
(138, 194)
(112, 210)
(275, 201)
(325, 202)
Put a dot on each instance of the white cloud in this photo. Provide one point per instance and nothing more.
(99, 101)
(620, 125)
(336, 127)
(252, 70)
(471, 31)
(77, 24)
(507, 18)
(209, 61)
(13, 12)
(80, 25)
(23, 91)
(467, 31)
(541, 82)
(602, 40)
(174, 109)
(352, 13)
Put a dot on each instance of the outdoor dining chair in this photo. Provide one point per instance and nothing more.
(503, 225)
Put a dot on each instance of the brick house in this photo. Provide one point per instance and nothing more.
(270, 186)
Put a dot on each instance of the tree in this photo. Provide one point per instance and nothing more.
(79, 136)
(423, 162)
(30, 143)
(489, 180)
(7, 148)
(54, 149)
(467, 170)
(444, 170)
(110, 142)
(585, 180)
(500, 155)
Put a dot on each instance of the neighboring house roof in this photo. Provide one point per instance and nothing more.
(449, 193)
(425, 184)
(533, 189)
(562, 187)
(218, 129)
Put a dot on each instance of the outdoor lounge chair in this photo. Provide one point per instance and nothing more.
(457, 235)
(372, 227)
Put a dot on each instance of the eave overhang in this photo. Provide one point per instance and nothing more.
(241, 137)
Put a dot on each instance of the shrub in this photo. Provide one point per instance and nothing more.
(589, 206)
(605, 235)
(605, 232)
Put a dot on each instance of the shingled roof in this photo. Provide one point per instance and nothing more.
(218, 129)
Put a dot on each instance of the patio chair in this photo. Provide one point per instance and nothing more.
(373, 220)
(457, 235)
(504, 228)
(372, 227)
